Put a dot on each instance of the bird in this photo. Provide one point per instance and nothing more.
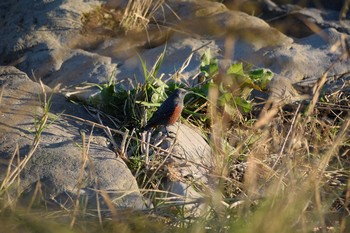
(169, 111)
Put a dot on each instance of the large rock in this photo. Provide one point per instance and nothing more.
(190, 168)
(48, 44)
(36, 38)
(65, 164)
(44, 40)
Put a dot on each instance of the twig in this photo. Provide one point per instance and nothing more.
(287, 137)
(320, 83)
(67, 116)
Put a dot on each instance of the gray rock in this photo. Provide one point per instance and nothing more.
(65, 164)
(38, 38)
(190, 168)
(48, 43)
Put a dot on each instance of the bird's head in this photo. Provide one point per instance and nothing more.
(180, 92)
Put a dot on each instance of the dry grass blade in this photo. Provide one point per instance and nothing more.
(320, 83)
(2, 93)
(40, 125)
(269, 111)
(133, 138)
(138, 13)
(37, 191)
(337, 142)
(287, 137)
(80, 180)
(109, 203)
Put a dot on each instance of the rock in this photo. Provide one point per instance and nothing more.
(309, 58)
(65, 164)
(92, 67)
(190, 168)
(48, 43)
(325, 4)
(198, 27)
(38, 38)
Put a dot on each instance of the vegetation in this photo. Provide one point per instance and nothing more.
(289, 175)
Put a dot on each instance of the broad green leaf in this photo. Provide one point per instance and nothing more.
(261, 77)
(209, 66)
(225, 98)
(236, 68)
(243, 104)
(205, 59)
(241, 82)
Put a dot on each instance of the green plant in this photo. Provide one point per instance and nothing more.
(236, 84)
(290, 176)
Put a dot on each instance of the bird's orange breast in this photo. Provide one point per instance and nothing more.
(176, 114)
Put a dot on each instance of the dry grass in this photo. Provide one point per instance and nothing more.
(290, 174)
(15, 167)
(135, 16)
(138, 13)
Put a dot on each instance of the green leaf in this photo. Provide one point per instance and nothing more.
(161, 84)
(236, 68)
(158, 63)
(261, 77)
(156, 97)
(209, 66)
(243, 104)
(107, 92)
(205, 59)
(144, 68)
(225, 98)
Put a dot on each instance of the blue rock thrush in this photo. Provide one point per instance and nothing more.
(170, 110)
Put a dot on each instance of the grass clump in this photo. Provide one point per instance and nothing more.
(133, 17)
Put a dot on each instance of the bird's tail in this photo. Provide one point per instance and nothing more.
(145, 128)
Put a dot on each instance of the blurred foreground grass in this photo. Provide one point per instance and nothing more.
(292, 175)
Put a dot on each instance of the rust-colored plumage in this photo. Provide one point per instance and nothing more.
(170, 110)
